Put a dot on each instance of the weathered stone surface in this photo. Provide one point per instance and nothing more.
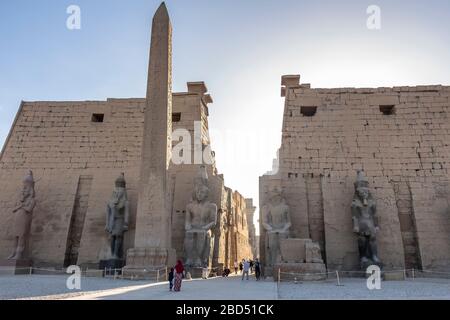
(313, 253)
(23, 214)
(117, 217)
(393, 276)
(365, 221)
(14, 267)
(341, 244)
(403, 154)
(111, 265)
(276, 220)
(201, 218)
(293, 250)
(199, 273)
(300, 271)
(431, 202)
(153, 229)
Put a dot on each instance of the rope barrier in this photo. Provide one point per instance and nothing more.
(119, 273)
(294, 276)
(315, 273)
(431, 271)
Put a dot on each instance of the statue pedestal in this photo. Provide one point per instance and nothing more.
(300, 260)
(198, 273)
(368, 263)
(300, 271)
(111, 264)
(149, 263)
(15, 267)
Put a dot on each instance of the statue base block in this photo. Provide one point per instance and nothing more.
(300, 271)
(149, 263)
(198, 273)
(368, 263)
(111, 264)
(393, 276)
(15, 267)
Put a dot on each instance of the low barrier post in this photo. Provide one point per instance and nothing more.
(338, 280)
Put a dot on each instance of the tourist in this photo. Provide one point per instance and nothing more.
(251, 266)
(257, 270)
(235, 266)
(241, 265)
(246, 268)
(226, 272)
(178, 276)
(171, 276)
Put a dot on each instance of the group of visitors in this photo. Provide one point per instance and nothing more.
(176, 277)
(245, 267)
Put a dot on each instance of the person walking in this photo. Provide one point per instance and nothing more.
(171, 276)
(257, 270)
(246, 269)
(179, 269)
(236, 266)
(241, 265)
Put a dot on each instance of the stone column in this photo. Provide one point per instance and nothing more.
(153, 224)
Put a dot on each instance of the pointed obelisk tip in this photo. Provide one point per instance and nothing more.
(162, 11)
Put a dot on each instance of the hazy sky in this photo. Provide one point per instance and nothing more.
(239, 48)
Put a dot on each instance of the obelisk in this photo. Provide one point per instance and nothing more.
(152, 246)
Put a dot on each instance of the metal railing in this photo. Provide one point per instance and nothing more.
(340, 276)
(159, 274)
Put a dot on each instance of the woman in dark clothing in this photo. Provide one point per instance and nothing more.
(171, 276)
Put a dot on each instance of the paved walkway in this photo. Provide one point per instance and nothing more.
(226, 289)
(356, 289)
(232, 288)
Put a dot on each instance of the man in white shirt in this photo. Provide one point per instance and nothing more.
(246, 269)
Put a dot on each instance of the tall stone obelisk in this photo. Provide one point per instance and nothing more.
(152, 247)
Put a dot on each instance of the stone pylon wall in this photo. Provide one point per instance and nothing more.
(63, 144)
(405, 155)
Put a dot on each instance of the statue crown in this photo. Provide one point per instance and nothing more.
(202, 177)
(361, 180)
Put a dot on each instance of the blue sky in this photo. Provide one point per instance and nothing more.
(239, 48)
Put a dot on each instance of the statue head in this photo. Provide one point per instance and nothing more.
(362, 187)
(201, 193)
(201, 190)
(276, 195)
(28, 186)
(120, 189)
(120, 181)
